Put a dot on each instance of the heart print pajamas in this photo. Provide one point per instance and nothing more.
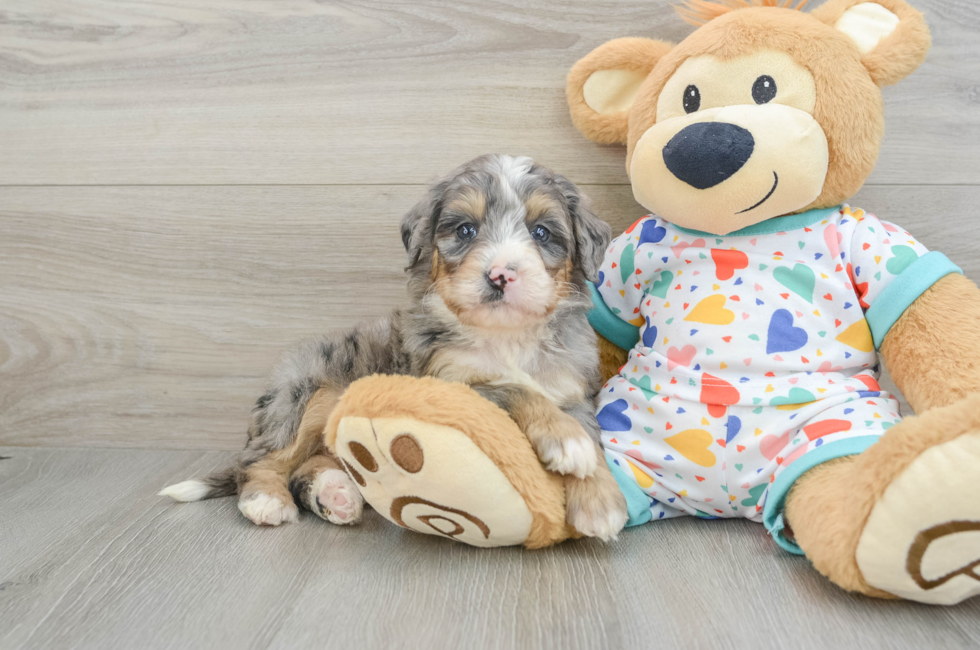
(752, 356)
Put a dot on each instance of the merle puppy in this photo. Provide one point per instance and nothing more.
(500, 253)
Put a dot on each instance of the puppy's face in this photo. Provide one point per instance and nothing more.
(506, 241)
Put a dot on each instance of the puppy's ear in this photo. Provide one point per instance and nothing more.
(592, 234)
(418, 222)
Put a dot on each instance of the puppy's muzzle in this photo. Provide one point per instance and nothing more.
(500, 277)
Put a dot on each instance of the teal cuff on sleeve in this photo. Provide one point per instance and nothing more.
(637, 502)
(608, 324)
(772, 513)
(903, 290)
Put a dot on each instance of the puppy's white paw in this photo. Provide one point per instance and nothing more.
(605, 526)
(337, 498)
(266, 510)
(569, 455)
(596, 507)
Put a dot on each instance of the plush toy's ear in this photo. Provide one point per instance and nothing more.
(893, 38)
(601, 87)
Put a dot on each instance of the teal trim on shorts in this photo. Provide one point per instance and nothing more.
(904, 289)
(772, 514)
(774, 225)
(637, 502)
(610, 325)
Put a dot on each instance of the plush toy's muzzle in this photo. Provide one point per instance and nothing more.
(721, 169)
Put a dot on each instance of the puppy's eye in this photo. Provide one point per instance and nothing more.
(540, 234)
(466, 231)
(692, 99)
(764, 89)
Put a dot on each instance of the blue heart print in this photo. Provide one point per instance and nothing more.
(733, 426)
(612, 417)
(602, 276)
(783, 337)
(649, 334)
(651, 233)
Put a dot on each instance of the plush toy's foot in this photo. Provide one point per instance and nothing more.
(438, 459)
(903, 518)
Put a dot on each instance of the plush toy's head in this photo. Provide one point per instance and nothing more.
(763, 111)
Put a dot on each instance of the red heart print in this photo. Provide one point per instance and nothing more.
(727, 262)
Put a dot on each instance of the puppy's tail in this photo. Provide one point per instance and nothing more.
(220, 484)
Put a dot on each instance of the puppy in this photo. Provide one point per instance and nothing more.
(500, 252)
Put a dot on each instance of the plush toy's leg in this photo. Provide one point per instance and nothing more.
(437, 458)
(323, 487)
(901, 519)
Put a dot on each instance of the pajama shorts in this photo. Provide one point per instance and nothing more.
(673, 457)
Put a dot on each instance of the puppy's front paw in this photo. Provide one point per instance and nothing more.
(564, 447)
(337, 498)
(596, 506)
(266, 510)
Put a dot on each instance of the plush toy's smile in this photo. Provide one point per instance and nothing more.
(775, 182)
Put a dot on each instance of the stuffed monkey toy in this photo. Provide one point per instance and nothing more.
(755, 306)
(755, 303)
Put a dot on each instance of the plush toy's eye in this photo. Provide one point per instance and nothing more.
(692, 99)
(466, 231)
(764, 89)
(540, 234)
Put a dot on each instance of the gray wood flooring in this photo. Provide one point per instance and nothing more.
(188, 188)
(91, 558)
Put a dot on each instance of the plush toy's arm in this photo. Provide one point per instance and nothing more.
(933, 350)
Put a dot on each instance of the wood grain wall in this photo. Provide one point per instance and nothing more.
(187, 189)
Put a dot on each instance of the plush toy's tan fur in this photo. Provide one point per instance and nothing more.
(637, 54)
(849, 105)
(933, 354)
(851, 48)
(933, 351)
(898, 54)
(487, 425)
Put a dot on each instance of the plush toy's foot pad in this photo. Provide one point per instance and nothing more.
(432, 479)
(922, 539)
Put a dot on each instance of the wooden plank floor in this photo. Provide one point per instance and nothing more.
(188, 188)
(92, 559)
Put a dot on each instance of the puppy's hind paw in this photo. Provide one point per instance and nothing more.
(596, 507)
(266, 510)
(337, 498)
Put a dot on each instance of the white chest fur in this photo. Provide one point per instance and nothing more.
(500, 358)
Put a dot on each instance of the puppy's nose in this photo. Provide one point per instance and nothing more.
(501, 276)
(707, 153)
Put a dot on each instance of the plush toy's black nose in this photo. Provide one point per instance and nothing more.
(707, 153)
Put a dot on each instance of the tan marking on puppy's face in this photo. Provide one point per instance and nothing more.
(512, 227)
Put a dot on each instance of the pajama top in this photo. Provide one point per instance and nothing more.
(752, 356)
